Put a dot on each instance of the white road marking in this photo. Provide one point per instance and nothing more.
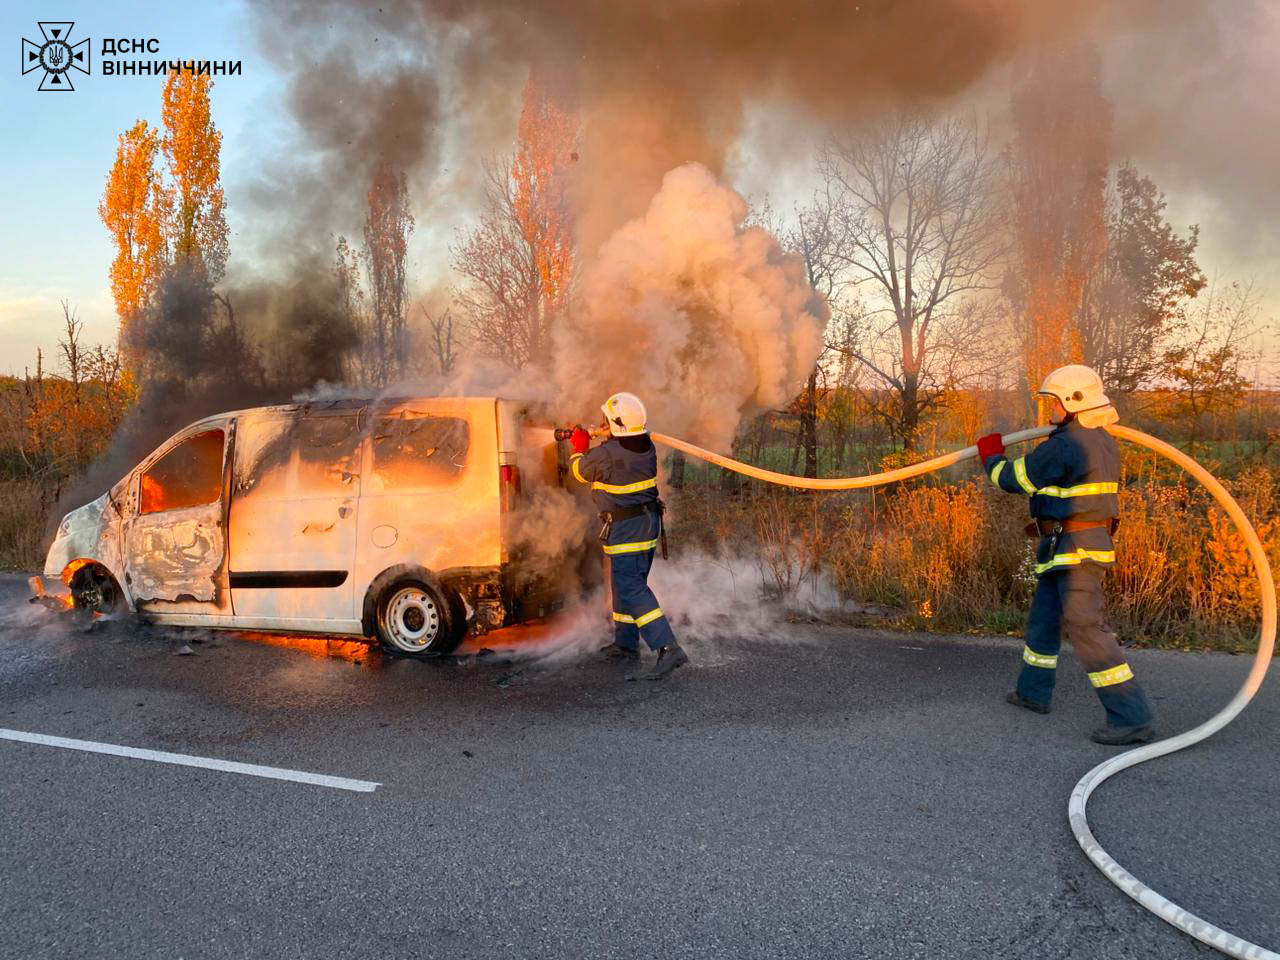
(184, 760)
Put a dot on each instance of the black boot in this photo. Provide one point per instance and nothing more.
(669, 657)
(1018, 700)
(615, 651)
(1119, 736)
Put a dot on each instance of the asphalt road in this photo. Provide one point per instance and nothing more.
(835, 793)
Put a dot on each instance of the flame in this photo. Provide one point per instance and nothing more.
(529, 634)
(71, 569)
(321, 647)
(370, 654)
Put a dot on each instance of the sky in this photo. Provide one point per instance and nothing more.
(60, 147)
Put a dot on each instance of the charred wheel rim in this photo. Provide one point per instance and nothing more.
(411, 619)
(95, 591)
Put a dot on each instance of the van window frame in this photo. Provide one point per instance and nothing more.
(448, 482)
(226, 427)
(261, 417)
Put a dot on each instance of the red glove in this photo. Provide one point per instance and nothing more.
(580, 440)
(990, 446)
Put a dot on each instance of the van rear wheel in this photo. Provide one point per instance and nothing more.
(415, 620)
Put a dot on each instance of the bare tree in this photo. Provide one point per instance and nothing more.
(442, 339)
(519, 261)
(914, 221)
(503, 300)
(73, 355)
(816, 236)
(1205, 372)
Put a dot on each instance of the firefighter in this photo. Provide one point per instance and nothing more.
(623, 474)
(1073, 482)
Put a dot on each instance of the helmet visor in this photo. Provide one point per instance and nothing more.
(1046, 405)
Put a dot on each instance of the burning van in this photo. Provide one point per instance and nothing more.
(409, 520)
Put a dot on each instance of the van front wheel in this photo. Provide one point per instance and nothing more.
(413, 619)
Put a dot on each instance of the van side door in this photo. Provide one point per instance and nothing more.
(174, 540)
(294, 505)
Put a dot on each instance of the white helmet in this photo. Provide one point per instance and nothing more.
(625, 414)
(1077, 388)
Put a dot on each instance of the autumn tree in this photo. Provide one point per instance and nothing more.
(192, 145)
(518, 261)
(1057, 168)
(545, 141)
(170, 234)
(915, 231)
(135, 210)
(387, 227)
(1135, 299)
(56, 423)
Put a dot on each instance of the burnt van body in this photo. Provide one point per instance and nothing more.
(400, 519)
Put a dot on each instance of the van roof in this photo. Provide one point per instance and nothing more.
(345, 403)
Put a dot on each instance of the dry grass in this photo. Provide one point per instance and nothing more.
(24, 511)
(953, 556)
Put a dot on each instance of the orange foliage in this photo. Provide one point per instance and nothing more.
(1059, 171)
(134, 209)
(152, 223)
(545, 152)
(191, 145)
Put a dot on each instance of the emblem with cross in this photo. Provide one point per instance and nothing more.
(55, 56)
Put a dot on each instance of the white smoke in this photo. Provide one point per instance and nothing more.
(706, 319)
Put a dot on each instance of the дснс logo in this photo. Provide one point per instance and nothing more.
(55, 56)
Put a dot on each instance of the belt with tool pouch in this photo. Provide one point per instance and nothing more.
(1052, 528)
(608, 517)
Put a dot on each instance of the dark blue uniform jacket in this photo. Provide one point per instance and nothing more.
(623, 478)
(1074, 474)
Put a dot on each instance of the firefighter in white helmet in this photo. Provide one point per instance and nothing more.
(1073, 480)
(623, 474)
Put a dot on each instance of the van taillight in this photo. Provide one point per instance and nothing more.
(508, 486)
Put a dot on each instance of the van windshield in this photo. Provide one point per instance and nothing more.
(419, 451)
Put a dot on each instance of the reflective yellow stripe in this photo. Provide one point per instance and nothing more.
(1020, 474)
(623, 618)
(1080, 490)
(1107, 678)
(1039, 659)
(649, 617)
(638, 547)
(573, 460)
(626, 487)
(996, 471)
(1078, 557)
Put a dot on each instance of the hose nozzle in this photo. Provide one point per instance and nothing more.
(564, 433)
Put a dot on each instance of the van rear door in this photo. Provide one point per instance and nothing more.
(295, 496)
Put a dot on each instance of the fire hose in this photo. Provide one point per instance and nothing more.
(1162, 907)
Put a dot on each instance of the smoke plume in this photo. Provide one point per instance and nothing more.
(1194, 87)
(705, 320)
(657, 84)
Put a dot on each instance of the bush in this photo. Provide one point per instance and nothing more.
(952, 555)
(24, 512)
